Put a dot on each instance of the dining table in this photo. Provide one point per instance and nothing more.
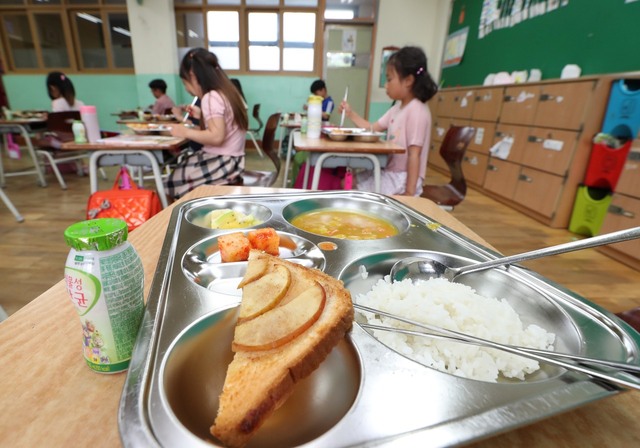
(325, 152)
(130, 149)
(25, 127)
(51, 398)
(151, 120)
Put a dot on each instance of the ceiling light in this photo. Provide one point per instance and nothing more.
(339, 14)
(122, 31)
(89, 17)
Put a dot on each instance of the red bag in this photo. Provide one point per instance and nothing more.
(127, 202)
(330, 178)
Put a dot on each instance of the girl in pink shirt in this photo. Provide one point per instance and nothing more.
(222, 130)
(62, 93)
(407, 122)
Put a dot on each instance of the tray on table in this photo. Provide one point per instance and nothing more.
(364, 393)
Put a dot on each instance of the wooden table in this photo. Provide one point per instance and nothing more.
(50, 398)
(345, 153)
(24, 127)
(151, 121)
(138, 150)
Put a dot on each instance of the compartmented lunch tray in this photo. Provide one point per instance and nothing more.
(364, 393)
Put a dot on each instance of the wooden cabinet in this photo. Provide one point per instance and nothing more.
(435, 158)
(482, 141)
(624, 210)
(462, 102)
(474, 167)
(515, 137)
(501, 178)
(542, 132)
(519, 104)
(487, 104)
(563, 106)
(538, 191)
(549, 150)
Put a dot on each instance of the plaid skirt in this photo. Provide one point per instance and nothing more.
(202, 168)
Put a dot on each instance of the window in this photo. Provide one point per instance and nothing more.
(358, 10)
(70, 35)
(223, 31)
(268, 36)
(264, 51)
(17, 32)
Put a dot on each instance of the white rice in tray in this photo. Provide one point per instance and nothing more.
(456, 307)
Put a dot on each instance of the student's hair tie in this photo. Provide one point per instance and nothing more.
(419, 71)
(62, 77)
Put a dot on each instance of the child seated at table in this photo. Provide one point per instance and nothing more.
(163, 103)
(62, 93)
(319, 88)
(222, 129)
(407, 122)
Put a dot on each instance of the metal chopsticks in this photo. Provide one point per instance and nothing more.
(567, 361)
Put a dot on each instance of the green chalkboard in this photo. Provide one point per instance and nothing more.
(600, 36)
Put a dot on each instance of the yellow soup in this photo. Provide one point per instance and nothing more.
(345, 224)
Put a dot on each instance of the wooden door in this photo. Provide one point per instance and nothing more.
(538, 191)
(519, 104)
(488, 103)
(483, 138)
(624, 213)
(519, 136)
(462, 105)
(439, 129)
(501, 177)
(435, 158)
(354, 76)
(549, 150)
(563, 105)
(629, 181)
(446, 104)
(474, 167)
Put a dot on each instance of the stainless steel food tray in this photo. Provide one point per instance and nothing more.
(364, 393)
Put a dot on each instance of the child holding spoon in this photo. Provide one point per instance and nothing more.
(407, 122)
(222, 129)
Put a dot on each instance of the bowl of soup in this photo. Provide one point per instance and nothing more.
(345, 224)
(346, 218)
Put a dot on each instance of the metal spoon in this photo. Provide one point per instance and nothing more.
(425, 268)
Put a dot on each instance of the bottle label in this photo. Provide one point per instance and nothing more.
(107, 292)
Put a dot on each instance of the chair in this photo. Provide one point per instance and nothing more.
(632, 317)
(266, 178)
(59, 131)
(452, 151)
(236, 82)
(253, 132)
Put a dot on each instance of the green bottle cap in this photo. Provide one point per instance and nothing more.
(96, 234)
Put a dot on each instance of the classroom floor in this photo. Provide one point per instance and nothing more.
(33, 253)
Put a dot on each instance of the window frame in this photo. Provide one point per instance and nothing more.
(243, 43)
(72, 40)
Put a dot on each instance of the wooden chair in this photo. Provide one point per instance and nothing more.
(253, 132)
(452, 151)
(48, 145)
(266, 178)
(632, 317)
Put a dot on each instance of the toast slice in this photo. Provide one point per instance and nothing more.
(280, 338)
